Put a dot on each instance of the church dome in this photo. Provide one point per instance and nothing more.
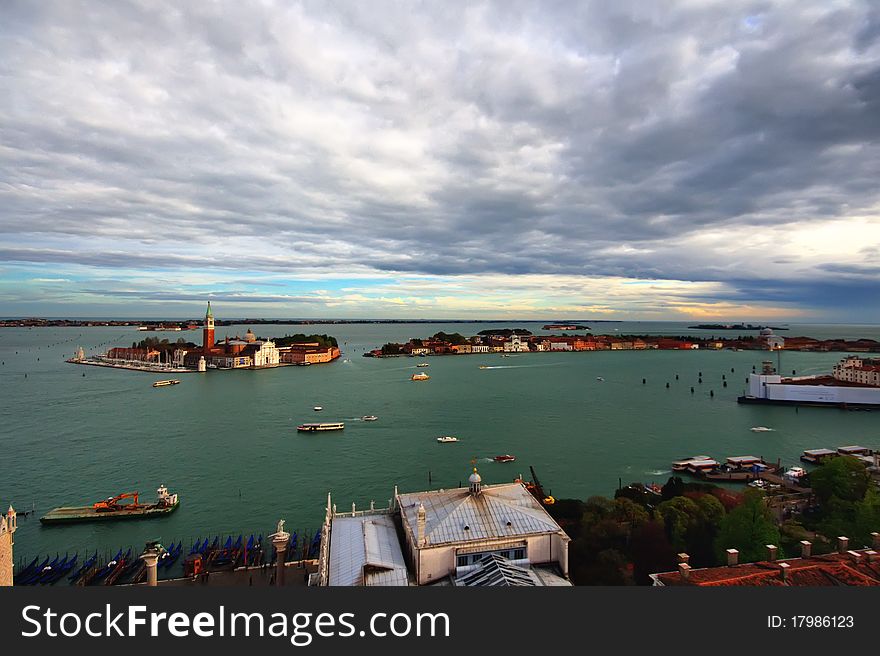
(249, 336)
(475, 477)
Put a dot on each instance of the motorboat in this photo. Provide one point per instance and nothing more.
(420, 376)
(318, 408)
(760, 429)
(600, 379)
(163, 383)
(423, 364)
(482, 366)
(504, 458)
(446, 439)
(369, 418)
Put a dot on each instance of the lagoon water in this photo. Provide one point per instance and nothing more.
(227, 440)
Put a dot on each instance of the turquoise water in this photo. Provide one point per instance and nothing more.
(226, 441)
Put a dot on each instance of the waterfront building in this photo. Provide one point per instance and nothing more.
(515, 345)
(473, 536)
(480, 348)
(770, 387)
(858, 370)
(771, 341)
(8, 526)
(846, 567)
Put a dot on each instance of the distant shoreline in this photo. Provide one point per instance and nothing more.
(97, 323)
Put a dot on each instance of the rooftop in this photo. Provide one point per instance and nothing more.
(500, 511)
(365, 550)
(856, 568)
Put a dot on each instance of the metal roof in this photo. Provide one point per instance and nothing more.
(503, 511)
(496, 571)
(365, 550)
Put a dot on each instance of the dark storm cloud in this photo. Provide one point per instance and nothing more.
(587, 139)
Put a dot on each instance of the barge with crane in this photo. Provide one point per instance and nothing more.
(122, 506)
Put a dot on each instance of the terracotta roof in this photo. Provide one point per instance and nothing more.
(828, 570)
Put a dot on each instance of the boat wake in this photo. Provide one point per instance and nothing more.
(658, 472)
(520, 366)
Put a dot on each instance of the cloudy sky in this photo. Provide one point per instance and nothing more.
(632, 160)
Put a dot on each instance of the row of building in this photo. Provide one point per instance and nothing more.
(246, 352)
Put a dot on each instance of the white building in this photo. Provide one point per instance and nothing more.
(480, 348)
(769, 387)
(266, 354)
(479, 535)
(858, 370)
(516, 345)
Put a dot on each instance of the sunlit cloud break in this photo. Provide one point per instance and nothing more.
(670, 160)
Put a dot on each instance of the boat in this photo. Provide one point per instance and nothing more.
(760, 429)
(600, 379)
(369, 418)
(114, 508)
(318, 408)
(163, 383)
(423, 364)
(446, 439)
(482, 366)
(329, 426)
(420, 376)
(505, 458)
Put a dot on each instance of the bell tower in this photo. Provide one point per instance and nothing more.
(208, 331)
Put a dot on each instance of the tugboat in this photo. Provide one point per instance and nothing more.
(505, 458)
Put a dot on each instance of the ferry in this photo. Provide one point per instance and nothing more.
(113, 508)
(447, 439)
(369, 418)
(505, 458)
(331, 426)
(419, 376)
(163, 383)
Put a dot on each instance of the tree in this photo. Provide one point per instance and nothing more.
(651, 552)
(748, 528)
(845, 478)
(679, 515)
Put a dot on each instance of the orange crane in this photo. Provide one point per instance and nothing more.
(112, 503)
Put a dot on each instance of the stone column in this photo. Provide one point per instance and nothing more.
(151, 558)
(281, 540)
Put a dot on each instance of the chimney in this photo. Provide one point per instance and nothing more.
(420, 526)
(872, 555)
(732, 557)
(856, 556)
(842, 544)
(683, 558)
(875, 540)
(806, 548)
(784, 568)
(685, 571)
(772, 550)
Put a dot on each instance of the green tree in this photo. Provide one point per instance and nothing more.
(748, 528)
(845, 478)
(678, 514)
